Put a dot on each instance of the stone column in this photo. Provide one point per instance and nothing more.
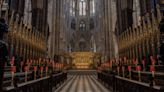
(58, 13)
(103, 28)
(53, 39)
(61, 25)
(88, 15)
(110, 28)
(106, 29)
(77, 25)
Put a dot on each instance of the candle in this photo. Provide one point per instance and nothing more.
(22, 66)
(152, 70)
(152, 60)
(13, 70)
(138, 68)
(26, 70)
(143, 63)
(123, 71)
(46, 70)
(12, 61)
(41, 69)
(118, 70)
(129, 69)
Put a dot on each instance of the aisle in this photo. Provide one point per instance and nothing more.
(83, 83)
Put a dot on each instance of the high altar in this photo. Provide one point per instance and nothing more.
(82, 60)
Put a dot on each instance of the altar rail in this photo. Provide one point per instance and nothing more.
(45, 84)
(120, 84)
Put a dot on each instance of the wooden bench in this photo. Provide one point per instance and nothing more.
(45, 84)
(127, 85)
(120, 84)
(145, 77)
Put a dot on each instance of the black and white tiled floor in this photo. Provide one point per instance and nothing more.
(82, 83)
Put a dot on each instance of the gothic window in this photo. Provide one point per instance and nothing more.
(72, 8)
(82, 7)
(92, 7)
(82, 26)
(28, 13)
(73, 13)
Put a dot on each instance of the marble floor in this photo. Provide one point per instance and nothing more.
(82, 83)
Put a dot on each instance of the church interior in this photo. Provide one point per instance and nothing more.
(81, 45)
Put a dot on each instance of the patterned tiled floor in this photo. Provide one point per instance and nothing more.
(83, 83)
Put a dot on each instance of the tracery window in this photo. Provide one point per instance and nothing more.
(82, 7)
(72, 8)
(82, 26)
(92, 7)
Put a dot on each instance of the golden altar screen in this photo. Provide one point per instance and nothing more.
(82, 60)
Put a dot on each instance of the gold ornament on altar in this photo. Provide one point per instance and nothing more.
(82, 60)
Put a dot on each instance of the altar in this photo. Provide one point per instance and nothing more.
(82, 60)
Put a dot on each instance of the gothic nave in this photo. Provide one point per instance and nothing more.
(81, 46)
